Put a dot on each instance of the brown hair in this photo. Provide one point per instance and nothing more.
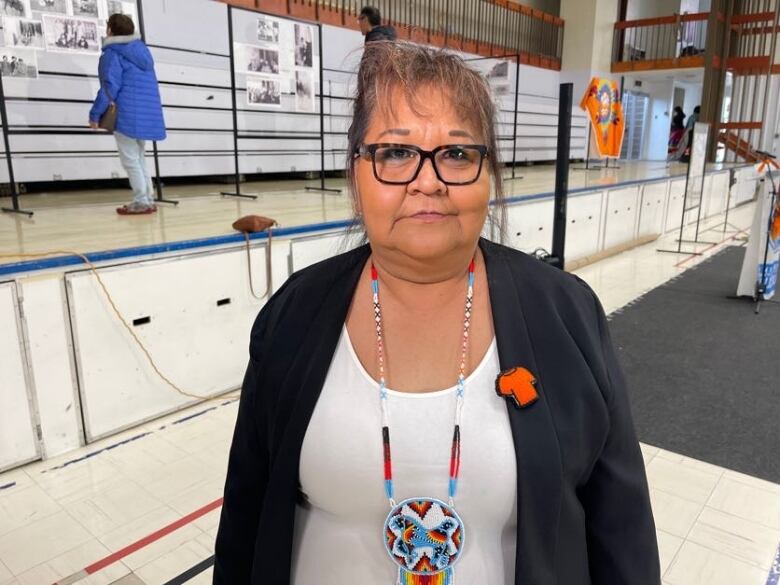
(121, 25)
(389, 66)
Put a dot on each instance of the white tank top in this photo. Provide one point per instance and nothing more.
(338, 535)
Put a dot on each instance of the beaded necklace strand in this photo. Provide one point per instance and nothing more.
(383, 394)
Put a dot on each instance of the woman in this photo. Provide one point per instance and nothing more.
(127, 79)
(373, 381)
(677, 131)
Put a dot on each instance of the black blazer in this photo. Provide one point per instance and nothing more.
(583, 510)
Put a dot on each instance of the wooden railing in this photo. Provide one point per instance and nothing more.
(483, 27)
(666, 42)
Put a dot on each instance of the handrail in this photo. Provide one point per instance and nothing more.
(483, 27)
(673, 19)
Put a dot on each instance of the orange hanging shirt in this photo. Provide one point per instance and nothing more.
(602, 103)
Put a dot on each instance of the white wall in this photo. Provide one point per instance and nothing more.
(189, 41)
(587, 41)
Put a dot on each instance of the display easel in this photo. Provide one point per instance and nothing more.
(727, 226)
(696, 164)
(762, 282)
(234, 108)
(516, 58)
(587, 166)
(322, 186)
(15, 208)
(158, 184)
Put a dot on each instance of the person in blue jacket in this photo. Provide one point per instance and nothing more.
(127, 79)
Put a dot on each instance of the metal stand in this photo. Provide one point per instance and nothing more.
(158, 184)
(322, 186)
(686, 209)
(587, 166)
(562, 175)
(514, 123)
(761, 283)
(9, 160)
(725, 223)
(237, 177)
(516, 57)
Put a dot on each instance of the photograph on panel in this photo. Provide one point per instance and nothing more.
(252, 59)
(88, 8)
(304, 91)
(263, 92)
(70, 34)
(304, 36)
(18, 8)
(21, 32)
(267, 29)
(53, 6)
(18, 63)
(121, 7)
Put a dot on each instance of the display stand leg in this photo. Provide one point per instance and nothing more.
(514, 123)
(237, 176)
(158, 184)
(587, 166)
(322, 186)
(761, 283)
(15, 208)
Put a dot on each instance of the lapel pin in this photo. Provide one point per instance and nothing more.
(517, 385)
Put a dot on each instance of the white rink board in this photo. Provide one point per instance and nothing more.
(200, 346)
(17, 436)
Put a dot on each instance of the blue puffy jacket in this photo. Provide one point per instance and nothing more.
(126, 72)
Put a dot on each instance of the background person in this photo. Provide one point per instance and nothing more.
(371, 26)
(127, 78)
(367, 369)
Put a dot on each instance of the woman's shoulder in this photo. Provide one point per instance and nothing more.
(531, 273)
(305, 290)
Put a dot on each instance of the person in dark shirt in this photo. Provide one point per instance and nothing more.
(371, 26)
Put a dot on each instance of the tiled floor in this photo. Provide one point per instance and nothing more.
(715, 526)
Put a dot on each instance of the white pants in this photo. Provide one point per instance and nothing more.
(132, 155)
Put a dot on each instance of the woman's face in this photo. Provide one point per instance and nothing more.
(426, 218)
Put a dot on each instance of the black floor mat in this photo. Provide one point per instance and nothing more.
(704, 370)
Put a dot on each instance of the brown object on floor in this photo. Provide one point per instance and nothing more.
(254, 223)
(251, 224)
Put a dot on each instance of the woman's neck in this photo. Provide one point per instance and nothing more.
(422, 286)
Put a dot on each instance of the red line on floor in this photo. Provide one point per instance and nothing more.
(710, 247)
(145, 541)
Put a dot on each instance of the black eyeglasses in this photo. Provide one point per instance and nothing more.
(399, 164)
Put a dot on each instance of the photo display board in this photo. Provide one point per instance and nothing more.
(277, 57)
(55, 26)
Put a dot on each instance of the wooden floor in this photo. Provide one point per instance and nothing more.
(85, 221)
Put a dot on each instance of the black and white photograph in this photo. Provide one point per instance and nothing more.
(304, 91)
(252, 59)
(53, 6)
(304, 36)
(263, 92)
(18, 8)
(18, 63)
(499, 73)
(70, 34)
(87, 8)
(267, 29)
(20, 32)
(121, 7)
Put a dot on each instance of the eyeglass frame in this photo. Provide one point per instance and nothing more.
(370, 149)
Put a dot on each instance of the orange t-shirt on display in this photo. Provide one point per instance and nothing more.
(605, 111)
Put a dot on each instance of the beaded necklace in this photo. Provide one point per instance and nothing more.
(423, 536)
